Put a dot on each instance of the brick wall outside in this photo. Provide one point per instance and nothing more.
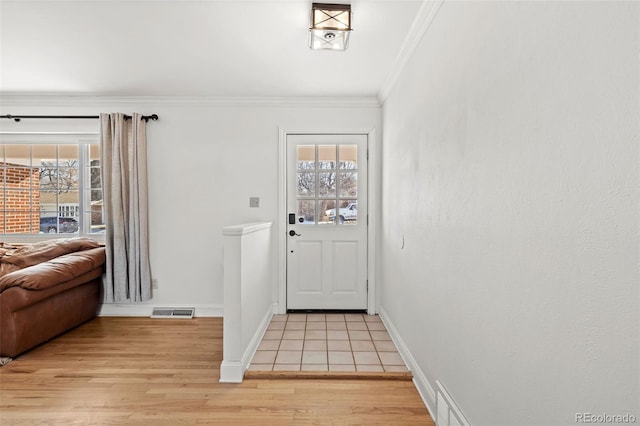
(20, 203)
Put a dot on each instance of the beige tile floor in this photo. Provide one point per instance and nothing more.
(327, 342)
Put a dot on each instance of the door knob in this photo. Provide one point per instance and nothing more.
(293, 233)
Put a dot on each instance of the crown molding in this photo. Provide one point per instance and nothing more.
(13, 99)
(419, 27)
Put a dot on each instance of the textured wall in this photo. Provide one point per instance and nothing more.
(510, 208)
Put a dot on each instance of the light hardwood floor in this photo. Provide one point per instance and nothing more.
(143, 371)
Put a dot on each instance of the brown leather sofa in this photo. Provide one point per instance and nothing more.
(46, 289)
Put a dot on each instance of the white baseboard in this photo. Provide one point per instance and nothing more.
(233, 371)
(251, 349)
(448, 411)
(144, 310)
(425, 389)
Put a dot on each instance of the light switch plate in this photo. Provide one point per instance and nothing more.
(254, 201)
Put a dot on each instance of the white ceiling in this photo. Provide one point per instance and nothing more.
(214, 48)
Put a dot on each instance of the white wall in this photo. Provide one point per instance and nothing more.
(511, 169)
(206, 158)
(248, 301)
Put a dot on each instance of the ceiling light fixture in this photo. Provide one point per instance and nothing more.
(330, 26)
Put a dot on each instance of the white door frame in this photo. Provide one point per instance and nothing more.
(281, 223)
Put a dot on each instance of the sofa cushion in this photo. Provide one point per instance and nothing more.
(55, 271)
(43, 251)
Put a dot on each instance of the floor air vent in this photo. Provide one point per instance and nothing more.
(173, 313)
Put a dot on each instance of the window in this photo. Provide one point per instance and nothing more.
(327, 176)
(50, 184)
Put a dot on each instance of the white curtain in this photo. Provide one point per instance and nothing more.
(123, 145)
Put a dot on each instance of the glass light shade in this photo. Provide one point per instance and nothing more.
(330, 26)
(328, 39)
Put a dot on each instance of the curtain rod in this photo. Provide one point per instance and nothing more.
(17, 118)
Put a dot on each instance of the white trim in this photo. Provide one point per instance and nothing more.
(252, 347)
(281, 223)
(372, 200)
(425, 389)
(144, 310)
(233, 371)
(419, 27)
(244, 229)
(81, 139)
(84, 100)
(450, 405)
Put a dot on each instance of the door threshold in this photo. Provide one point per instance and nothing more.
(340, 375)
(326, 311)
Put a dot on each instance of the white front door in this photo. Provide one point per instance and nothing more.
(326, 221)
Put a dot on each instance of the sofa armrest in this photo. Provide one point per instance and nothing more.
(55, 271)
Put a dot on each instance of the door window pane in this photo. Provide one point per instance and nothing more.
(348, 156)
(307, 211)
(327, 184)
(326, 157)
(348, 184)
(348, 212)
(306, 157)
(306, 184)
(327, 211)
